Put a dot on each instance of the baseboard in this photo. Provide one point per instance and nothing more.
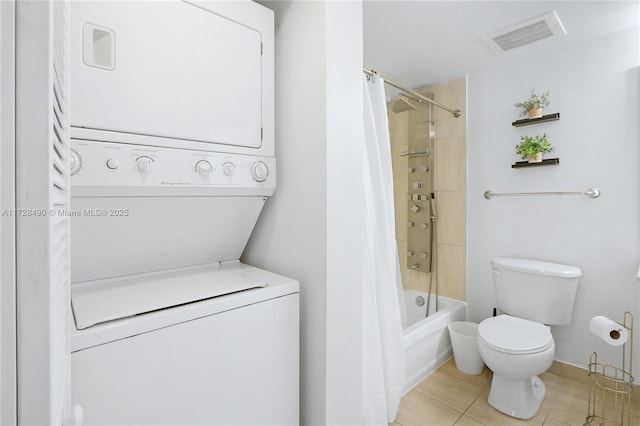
(411, 382)
(580, 375)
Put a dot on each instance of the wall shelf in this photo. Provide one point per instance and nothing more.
(545, 162)
(528, 121)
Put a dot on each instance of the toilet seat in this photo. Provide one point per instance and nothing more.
(513, 335)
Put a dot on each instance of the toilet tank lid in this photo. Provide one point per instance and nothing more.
(537, 267)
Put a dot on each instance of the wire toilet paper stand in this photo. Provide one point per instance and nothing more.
(611, 386)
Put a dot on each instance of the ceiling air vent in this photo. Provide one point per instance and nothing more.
(526, 32)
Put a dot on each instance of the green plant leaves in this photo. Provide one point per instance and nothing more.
(531, 145)
(534, 101)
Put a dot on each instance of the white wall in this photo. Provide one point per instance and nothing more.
(595, 88)
(345, 198)
(312, 228)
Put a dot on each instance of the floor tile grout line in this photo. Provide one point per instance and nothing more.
(470, 405)
(434, 401)
(555, 398)
(458, 419)
(462, 379)
(482, 389)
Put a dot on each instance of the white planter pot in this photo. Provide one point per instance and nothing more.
(535, 158)
(535, 113)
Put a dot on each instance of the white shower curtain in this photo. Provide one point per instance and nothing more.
(383, 356)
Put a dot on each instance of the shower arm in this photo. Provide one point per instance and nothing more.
(418, 97)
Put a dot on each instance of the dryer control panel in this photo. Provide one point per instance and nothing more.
(110, 169)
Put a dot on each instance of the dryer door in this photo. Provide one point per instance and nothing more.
(168, 70)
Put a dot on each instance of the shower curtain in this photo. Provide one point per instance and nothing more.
(383, 355)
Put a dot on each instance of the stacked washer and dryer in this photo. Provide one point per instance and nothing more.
(173, 158)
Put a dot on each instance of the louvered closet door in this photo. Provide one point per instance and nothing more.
(8, 387)
(42, 196)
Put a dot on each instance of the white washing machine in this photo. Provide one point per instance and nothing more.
(225, 360)
(173, 160)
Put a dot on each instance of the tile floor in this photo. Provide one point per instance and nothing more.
(449, 397)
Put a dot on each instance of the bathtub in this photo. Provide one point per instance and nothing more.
(426, 339)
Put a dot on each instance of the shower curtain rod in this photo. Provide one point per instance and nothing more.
(456, 112)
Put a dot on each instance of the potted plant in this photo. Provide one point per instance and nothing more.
(531, 148)
(534, 105)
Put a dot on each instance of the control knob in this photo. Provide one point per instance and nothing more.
(113, 163)
(228, 168)
(75, 162)
(259, 171)
(145, 164)
(204, 168)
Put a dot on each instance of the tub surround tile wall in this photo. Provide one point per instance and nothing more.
(450, 163)
(451, 271)
(450, 187)
(450, 173)
(450, 231)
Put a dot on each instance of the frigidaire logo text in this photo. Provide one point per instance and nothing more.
(164, 182)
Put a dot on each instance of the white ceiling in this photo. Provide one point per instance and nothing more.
(423, 43)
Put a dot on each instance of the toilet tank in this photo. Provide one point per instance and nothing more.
(539, 291)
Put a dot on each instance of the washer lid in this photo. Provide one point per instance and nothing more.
(513, 335)
(106, 300)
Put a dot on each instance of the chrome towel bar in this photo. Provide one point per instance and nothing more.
(591, 193)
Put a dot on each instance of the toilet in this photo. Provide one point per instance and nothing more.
(517, 345)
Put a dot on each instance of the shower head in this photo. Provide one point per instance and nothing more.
(402, 104)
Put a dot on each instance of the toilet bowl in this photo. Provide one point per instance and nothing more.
(516, 350)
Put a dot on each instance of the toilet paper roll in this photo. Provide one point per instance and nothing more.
(608, 330)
